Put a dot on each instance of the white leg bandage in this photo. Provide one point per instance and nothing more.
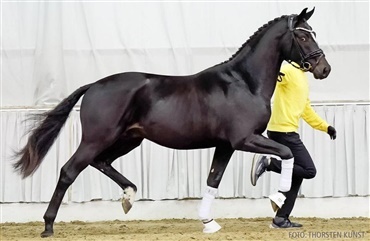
(204, 210)
(286, 174)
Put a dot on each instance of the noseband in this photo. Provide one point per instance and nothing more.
(318, 53)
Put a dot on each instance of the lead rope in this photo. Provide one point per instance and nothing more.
(295, 65)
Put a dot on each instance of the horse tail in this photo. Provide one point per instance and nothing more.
(43, 135)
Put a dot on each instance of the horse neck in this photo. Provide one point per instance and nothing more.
(260, 64)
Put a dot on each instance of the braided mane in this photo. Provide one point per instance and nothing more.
(256, 36)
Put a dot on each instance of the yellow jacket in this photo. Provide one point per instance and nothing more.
(291, 102)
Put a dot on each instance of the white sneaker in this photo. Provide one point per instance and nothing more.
(277, 200)
(259, 166)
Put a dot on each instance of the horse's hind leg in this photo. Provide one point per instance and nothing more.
(221, 158)
(128, 187)
(69, 172)
(103, 164)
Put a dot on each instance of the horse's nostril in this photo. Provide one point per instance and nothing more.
(326, 71)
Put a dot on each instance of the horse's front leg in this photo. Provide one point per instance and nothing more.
(221, 158)
(260, 144)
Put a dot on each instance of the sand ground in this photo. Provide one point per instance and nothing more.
(185, 229)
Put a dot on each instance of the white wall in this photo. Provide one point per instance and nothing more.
(51, 48)
(153, 210)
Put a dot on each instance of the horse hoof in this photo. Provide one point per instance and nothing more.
(128, 199)
(126, 205)
(211, 227)
(46, 234)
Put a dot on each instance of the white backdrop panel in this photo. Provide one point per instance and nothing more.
(162, 173)
(51, 48)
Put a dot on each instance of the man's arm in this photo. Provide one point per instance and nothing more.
(313, 119)
(316, 122)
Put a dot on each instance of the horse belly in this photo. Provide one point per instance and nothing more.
(179, 138)
(179, 131)
(182, 119)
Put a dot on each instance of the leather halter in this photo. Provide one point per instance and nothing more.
(318, 53)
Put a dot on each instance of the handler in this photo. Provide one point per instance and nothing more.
(291, 102)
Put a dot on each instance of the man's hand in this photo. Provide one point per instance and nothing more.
(332, 132)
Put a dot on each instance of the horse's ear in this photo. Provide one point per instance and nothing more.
(304, 15)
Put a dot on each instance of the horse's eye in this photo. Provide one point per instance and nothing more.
(303, 39)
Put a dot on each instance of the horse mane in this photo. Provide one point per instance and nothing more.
(253, 39)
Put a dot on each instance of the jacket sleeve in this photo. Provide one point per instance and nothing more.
(313, 119)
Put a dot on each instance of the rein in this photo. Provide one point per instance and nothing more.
(318, 53)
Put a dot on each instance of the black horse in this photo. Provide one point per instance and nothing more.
(226, 106)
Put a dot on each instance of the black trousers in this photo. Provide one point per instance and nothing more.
(303, 168)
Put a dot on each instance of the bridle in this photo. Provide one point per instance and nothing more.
(318, 53)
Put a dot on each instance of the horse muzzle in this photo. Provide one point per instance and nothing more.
(322, 69)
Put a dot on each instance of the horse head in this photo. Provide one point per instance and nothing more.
(302, 47)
